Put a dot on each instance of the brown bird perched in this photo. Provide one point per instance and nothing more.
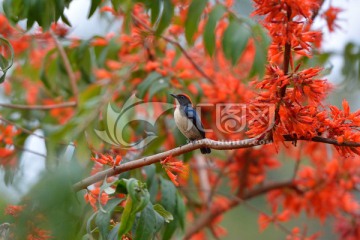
(188, 121)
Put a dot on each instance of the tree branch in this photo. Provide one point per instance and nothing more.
(173, 152)
(38, 107)
(68, 68)
(316, 11)
(219, 145)
(206, 218)
(29, 132)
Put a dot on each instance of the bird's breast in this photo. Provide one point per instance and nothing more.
(186, 126)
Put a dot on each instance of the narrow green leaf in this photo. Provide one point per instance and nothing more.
(193, 17)
(170, 229)
(94, 5)
(102, 219)
(127, 217)
(180, 211)
(113, 234)
(65, 20)
(166, 16)
(155, 7)
(165, 214)
(235, 39)
(209, 31)
(116, 4)
(262, 42)
(88, 223)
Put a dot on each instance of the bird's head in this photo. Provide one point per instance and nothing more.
(182, 99)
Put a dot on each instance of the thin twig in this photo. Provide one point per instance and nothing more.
(186, 54)
(29, 151)
(244, 176)
(68, 68)
(38, 107)
(219, 176)
(298, 161)
(178, 45)
(203, 176)
(29, 132)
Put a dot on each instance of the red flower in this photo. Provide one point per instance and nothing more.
(265, 220)
(92, 196)
(107, 160)
(331, 16)
(14, 210)
(39, 234)
(173, 167)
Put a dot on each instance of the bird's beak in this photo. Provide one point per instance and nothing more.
(173, 95)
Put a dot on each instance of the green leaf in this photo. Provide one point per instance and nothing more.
(127, 217)
(146, 224)
(159, 223)
(155, 7)
(168, 201)
(166, 16)
(169, 230)
(145, 84)
(168, 195)
(193, 17)
(121, 186)
(165, 214)
(139, 194)
(113, 234)
(209, 31)
(180, 211)
(116, 4)
(159, 85)
(137, 199)
(262, 42)
(102, 219)
(235, 39)
(94, 5)
(88, 223)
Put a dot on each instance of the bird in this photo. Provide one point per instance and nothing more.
(188, 121)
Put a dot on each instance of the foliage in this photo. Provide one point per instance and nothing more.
(269, 62)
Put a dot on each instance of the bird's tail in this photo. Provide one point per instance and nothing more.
(205, 150)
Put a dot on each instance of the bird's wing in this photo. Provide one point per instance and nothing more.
(194, 117)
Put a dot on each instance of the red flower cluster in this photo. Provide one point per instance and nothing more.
(93, 196)
(106, 159)
(7, 151)
(14, 210)
(34, 232)
(331, 16)
(173, 167)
